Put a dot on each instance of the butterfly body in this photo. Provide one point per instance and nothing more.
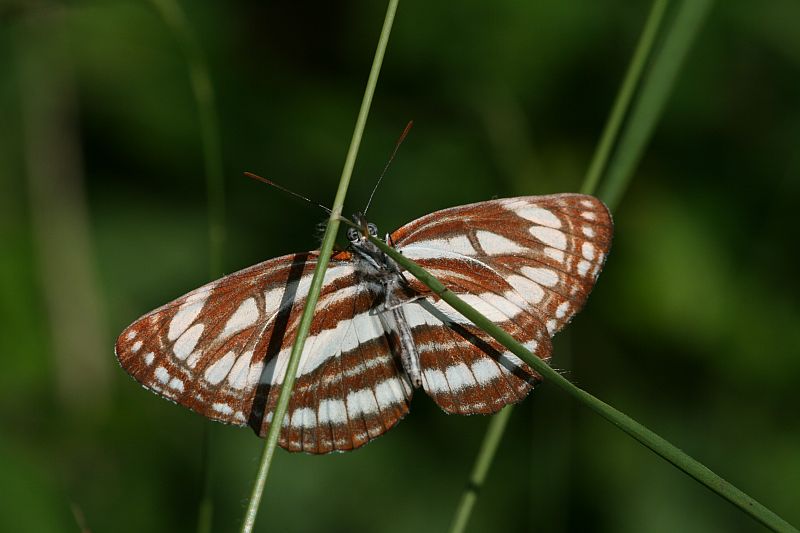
(396, 292)
(378, 334)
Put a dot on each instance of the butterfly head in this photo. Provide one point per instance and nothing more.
(361, 245)
(360, 235)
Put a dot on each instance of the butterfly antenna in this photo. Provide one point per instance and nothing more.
(389, 162)
(284, 189)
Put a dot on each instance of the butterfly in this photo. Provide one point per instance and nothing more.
(527, 263)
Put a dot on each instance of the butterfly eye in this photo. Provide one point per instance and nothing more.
(352, 234)
(373, 229)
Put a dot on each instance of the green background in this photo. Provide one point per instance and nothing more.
(693, 329)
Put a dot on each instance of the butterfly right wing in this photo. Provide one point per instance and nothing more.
(222, 351)
(527, 263)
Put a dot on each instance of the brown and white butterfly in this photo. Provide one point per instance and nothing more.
(527, 263)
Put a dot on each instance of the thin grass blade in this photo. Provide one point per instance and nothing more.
(316, 282)
(622, 103)
(203, 92)
(656, 87)
(599, 165)
(491, 441)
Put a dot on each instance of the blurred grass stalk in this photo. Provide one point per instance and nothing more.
(59, 216)
(622, 104)
(651, 97)
(486, 454)
(632, 79)
(203, 91)
(319, 272)
(639, 103)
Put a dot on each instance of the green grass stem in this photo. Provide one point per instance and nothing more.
(622, 103)
(655, 89)
(599, 163)
(203, 91)
(615, 169)
(636, 430)
(494, 434)
(316, 282)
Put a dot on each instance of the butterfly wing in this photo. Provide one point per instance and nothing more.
(222, 351)
(528, 263)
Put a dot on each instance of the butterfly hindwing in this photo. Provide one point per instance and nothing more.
(350, 386)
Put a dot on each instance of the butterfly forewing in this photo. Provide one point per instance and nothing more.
(222, 350)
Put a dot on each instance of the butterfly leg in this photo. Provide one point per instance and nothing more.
(399, 303)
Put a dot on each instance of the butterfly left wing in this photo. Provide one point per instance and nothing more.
(222, 351)
(527, 263)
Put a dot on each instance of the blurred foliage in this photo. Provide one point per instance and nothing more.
(694, 327)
